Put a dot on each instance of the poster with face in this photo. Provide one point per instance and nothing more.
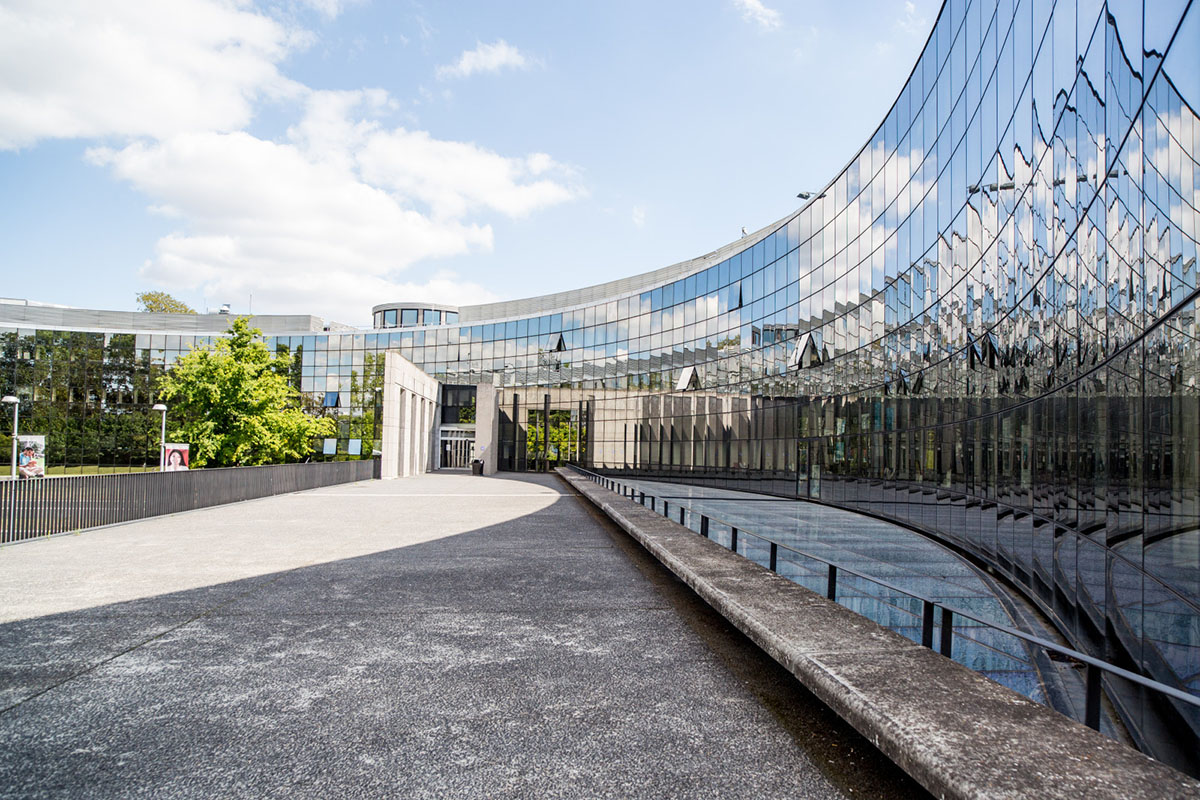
(176, 457)
(31, 456)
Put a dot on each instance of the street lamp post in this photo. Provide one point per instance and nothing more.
(10, 400)
(162, 439)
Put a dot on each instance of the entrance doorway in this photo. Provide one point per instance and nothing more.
(457, 447)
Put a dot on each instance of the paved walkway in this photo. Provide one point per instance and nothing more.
(441, 636)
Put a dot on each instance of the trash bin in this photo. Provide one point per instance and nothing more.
(477, 467)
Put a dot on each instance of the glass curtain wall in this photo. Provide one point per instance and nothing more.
(984, 327)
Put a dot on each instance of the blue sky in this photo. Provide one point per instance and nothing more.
(327, 155)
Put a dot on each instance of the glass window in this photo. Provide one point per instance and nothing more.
(389, 318)
(408, 316)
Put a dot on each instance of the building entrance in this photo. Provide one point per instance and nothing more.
(457, 447)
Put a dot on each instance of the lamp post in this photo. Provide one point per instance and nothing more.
(10, 400)
(162, 439)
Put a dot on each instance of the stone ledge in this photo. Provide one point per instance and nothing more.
(958, 733)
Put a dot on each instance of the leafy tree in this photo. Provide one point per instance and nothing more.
(555, 441)
(233, 404)
(161, 301)
(467, 413)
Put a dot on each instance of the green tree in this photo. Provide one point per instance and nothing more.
(466, 414)
(233, 404)
(555, 441)
(161, 301)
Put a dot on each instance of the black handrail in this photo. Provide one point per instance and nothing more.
(1095, 666)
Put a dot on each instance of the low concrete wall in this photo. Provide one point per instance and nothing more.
(958, 733)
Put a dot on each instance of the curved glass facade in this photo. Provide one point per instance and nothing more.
(984, 327)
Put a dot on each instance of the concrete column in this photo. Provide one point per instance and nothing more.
(487, 427)
(409, 421)
(418, 429)
(423, 438)
(390, 449)
(424, 432)
(405, 434)
(401, 432)
(433, 437)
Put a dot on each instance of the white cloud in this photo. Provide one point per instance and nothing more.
(454, 178)
(910, 23)
(329, 8)
(80, 68)
(324, 222)
(807, 40)
(639, 216)
(754, 11)
(489, 58)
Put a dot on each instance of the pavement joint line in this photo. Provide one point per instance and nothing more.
(93, 667)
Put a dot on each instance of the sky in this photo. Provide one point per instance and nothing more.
(322, 156)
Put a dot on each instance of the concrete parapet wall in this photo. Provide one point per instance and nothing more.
(956, 732)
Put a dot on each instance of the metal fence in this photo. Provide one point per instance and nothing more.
(44, 506)
(934, 615)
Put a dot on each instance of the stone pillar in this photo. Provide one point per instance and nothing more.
(391, 448)
(406, 399)
(487, 427)
(410, 438)
(423, 438)
(435, 428)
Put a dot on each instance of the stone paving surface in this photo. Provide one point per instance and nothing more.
(441, 636)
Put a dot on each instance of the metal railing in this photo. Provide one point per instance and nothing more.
(930, 609)
(44, 506)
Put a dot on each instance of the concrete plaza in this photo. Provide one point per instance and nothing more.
(439, 636)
